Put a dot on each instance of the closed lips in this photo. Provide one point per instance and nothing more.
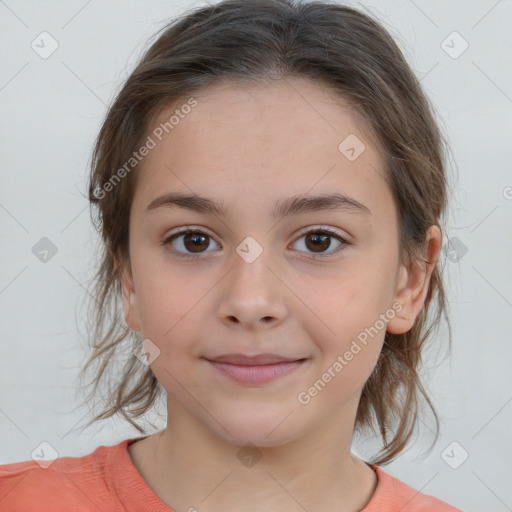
(258, 360)
(255, 370)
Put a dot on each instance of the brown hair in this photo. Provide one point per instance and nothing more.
(251, 41)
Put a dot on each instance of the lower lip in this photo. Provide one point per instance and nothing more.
(255, 374)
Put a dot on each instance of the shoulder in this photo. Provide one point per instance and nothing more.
(64, 482)
(392, 494)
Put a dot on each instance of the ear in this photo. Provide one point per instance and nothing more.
(412, 284)
(130, 305)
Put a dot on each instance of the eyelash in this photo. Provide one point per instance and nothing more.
(317, 231)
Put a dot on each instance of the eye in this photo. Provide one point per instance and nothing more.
(319, 240)
(188, 243)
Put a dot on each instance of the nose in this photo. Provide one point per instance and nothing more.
(254, 296)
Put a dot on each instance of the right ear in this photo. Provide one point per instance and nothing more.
(130, 304)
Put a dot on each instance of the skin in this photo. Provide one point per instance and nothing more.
(248, 148)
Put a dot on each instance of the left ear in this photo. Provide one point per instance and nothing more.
(413, 283)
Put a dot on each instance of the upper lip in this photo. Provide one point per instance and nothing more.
(256, 360)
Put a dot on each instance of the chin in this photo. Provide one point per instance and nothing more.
(264, 430)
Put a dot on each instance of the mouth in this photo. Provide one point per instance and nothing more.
(256, 369)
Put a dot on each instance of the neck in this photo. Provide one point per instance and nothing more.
(189, 467)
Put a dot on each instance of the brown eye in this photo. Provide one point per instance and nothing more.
(317, 241)
(195, 242)
(188, 242)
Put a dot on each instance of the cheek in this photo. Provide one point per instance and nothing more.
(348, 355)
(165, 301)
(349, 300)
(348, 317)
(172, 311)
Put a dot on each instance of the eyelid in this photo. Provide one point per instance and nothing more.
(323, 229)
(187, 228)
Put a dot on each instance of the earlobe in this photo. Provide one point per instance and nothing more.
(129, 298)
(412, 284)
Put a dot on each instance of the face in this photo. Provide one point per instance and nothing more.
(259, 276)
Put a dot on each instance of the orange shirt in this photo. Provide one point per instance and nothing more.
(107, 481)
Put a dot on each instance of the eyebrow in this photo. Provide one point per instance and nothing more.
(283, 208)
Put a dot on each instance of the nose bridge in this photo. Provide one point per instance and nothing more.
(252, 291)
(250, 270)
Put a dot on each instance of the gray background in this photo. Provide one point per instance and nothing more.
(51, 109)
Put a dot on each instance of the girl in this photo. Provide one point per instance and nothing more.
(270, 186)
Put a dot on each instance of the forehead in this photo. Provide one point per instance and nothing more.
(260, 141)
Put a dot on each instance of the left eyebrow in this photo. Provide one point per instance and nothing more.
(283, 208)
(300, 204)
